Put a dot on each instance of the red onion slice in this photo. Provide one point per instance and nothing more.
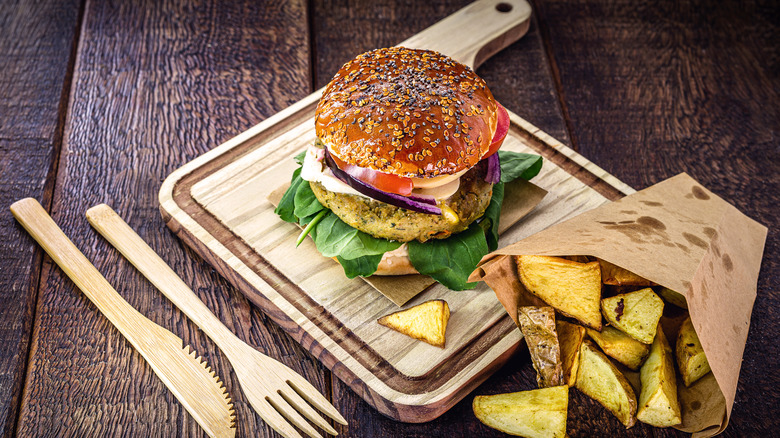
(425, 199)
(493, 173)
(414, 203)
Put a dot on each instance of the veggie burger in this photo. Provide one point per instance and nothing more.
(405, 174)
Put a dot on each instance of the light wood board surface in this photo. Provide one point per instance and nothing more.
(218, 205)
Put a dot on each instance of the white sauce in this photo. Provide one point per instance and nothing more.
(402, 252)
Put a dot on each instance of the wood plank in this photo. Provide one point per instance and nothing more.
(657, 89)
(155, 85)
(730, 46)
(35, 55)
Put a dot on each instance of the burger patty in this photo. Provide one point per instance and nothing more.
(387, 221)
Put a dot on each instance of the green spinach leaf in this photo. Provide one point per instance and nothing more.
(516, 165)
(299, 158)
(490, 218)
(335, 238)
(306, 204)
(450, 261)
(286, 207)
(361, 266)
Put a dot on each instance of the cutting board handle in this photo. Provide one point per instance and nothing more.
(476, 32)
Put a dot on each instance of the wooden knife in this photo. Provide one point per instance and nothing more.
(194, 384)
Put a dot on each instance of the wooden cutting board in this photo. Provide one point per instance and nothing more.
(218, 205)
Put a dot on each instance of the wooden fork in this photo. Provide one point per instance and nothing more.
(275, 391)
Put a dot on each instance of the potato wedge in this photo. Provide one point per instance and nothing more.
(691, 360)
(658, 404)
(538, 327)
(610, 290)
(572, 288)
(600, 380)
(578, 258)
(635, 313)
(617, 276)
(570, 338)
(620, 346)
(426, 322)
(536, 413)
(673, 297)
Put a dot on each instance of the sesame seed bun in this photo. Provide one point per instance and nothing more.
(408, 112)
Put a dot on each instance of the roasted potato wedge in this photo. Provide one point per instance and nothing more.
(570, 338)
(635, 313)
(617, 276)
(611, 291)
(426, 322)
(578, 258)
(536, 413)
(673, 297)
(572, 288)
(691, 360)
(538, 327)
(600, 380)
(620, 346)
(658, 404)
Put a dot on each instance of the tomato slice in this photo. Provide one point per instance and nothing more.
(502, 129)
(385, 182)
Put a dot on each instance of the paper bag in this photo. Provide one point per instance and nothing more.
(678, 235)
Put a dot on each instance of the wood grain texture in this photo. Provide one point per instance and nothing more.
(657, 89)
(155, 84)
(35, 52)
(645, 90)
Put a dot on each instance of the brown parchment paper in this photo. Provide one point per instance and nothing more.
(681, 236)
(520, 198)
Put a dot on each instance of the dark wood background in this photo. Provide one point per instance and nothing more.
(100, 101)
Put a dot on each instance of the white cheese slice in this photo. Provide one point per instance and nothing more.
(439, 192)
(436, 181)
(316, 171)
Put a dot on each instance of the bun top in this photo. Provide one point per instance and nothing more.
(408, 112)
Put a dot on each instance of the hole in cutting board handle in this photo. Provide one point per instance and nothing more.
(503, 7)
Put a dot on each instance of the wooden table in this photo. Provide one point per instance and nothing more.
(100, 101)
